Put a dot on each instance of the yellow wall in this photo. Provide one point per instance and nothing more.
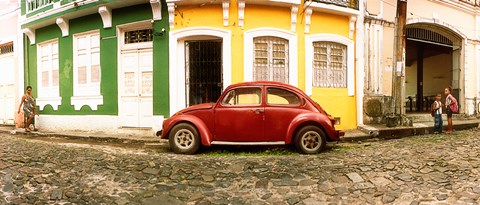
(334, 100)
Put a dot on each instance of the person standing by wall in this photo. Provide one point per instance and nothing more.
(450, 100)
(437, 113)
(29, 107)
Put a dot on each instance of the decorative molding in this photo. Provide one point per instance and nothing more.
(294, 11)
(156, 9)
(241, 12)
(225, 6)
(55, 102)
(171, 14)
(31, 35)
(308, 15)
(92, 101)
(63, 24)
(106, 14)
(353, 19)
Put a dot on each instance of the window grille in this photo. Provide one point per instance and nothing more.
(6, 48)
(138, 36)
(329, 65)
(270, 59)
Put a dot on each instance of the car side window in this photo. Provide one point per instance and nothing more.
(276, 96)
(243, 96)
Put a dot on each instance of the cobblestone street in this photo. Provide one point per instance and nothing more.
(429, 169)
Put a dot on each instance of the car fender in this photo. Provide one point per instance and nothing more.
(310, 118)
(202, 129)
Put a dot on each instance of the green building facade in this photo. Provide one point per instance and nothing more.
(97, 65)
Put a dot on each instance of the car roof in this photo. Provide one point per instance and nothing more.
(265, 83)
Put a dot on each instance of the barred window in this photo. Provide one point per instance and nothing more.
(138, 36)
(329, 65)
(270, 59)
(6, 48)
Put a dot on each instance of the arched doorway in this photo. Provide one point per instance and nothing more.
(434, 60)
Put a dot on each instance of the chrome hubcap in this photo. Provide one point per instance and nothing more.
(311, 141)
(184, 139)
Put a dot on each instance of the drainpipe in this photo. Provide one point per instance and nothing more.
(360, 61)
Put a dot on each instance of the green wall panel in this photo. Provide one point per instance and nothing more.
(108, 60)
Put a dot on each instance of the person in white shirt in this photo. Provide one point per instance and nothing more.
(437, 107)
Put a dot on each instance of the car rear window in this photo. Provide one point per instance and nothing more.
(243, 96)
(277, 96)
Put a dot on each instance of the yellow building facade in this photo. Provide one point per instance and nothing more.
(308, 44)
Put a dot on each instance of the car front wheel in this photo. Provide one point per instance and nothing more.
(184, 139)
(310, 140)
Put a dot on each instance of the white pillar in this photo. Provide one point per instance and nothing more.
(360, 65)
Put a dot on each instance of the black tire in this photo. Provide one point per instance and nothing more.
(310, 140)
(184, 139)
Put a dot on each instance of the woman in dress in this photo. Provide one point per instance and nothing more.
(29, 107)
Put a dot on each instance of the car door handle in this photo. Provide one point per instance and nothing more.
(258, 111)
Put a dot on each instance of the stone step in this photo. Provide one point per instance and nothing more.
(418, 118)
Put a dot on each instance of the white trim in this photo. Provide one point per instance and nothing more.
(91, 101)
(88, 93)
(225, 7)
(360, 61)
(309, 39)
(106, 14)
(177, 60)
(171, 14)
(331, 8)
(292, 51)
(56, 10)
(351, 26)
(437, 23)
(55, 102)
(48, 95)
(156, 9)
(293, 16)
(241, 12)
(63, 25)
(138, 25)
(308, 15)
(105, 124)
(30, 34)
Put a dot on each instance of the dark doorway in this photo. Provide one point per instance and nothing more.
(429, 68)
(203, 61)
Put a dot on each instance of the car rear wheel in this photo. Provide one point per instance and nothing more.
(310, 140)
(184, 139)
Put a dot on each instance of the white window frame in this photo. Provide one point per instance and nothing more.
(270, 55)
(48, 95)
(292, 51)
(88, 93)
(177, 60)
(309, 59)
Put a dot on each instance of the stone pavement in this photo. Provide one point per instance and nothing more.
(428, 169)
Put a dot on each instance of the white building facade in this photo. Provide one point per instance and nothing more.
(11, 77)
(443, 49)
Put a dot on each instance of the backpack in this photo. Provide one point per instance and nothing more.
(454, 107)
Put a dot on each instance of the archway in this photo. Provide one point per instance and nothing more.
(434, 60)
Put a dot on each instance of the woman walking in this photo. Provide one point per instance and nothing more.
(29, 107)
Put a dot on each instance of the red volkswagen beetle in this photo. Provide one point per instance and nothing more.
(252, 113)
